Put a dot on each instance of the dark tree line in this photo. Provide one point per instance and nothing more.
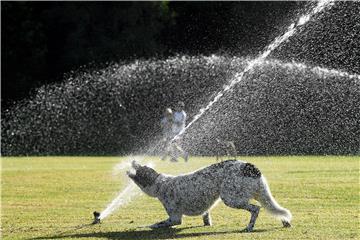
(43, 40)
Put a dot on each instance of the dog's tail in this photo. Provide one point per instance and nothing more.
(270, 204)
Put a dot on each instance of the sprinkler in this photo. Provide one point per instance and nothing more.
(96, 217)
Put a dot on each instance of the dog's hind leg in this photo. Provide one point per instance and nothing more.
(254, 210)
(207, 219)
(239, 198)
(244, 204)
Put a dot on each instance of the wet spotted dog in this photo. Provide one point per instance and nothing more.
(234, 182)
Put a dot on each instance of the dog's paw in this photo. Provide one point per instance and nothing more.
(286, 224)
(154, 226)
(159, 225)
(207, 222)
(248, 229)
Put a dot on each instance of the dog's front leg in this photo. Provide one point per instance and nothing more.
(171, 221)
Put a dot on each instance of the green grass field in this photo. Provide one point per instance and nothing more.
(54, 197)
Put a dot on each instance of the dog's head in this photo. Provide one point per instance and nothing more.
(143, 176)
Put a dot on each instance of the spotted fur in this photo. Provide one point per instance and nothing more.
(145, 176)
(250, 170)
(234, 182)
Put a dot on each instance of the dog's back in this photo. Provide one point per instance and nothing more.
(196, 192)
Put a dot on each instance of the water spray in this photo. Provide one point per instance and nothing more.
(259, 60)
(314, 69)
(126, 195)
(123, 197)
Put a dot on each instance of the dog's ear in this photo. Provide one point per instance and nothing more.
(135, 165)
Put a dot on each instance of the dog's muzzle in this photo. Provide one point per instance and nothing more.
(131, 173)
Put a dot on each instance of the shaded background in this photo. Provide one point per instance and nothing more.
(64, 76)
(43, 40)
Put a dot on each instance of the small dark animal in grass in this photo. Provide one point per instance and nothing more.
(234, 182)
(225, 147)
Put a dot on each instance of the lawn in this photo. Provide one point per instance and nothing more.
(54, 197)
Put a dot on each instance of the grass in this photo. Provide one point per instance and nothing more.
(54, 197)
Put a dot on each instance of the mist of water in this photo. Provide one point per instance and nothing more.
(319, 71)
(259, 60)
(129, 192)
(126, 195)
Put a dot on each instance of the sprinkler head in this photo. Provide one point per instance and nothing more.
(96, 217)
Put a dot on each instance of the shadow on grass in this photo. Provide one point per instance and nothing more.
(163, 233)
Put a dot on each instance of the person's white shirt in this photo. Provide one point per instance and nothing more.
(179, 122)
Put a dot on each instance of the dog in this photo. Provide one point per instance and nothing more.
(194, 194)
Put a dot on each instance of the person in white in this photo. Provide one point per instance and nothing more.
(179, 123)
(166, 123)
